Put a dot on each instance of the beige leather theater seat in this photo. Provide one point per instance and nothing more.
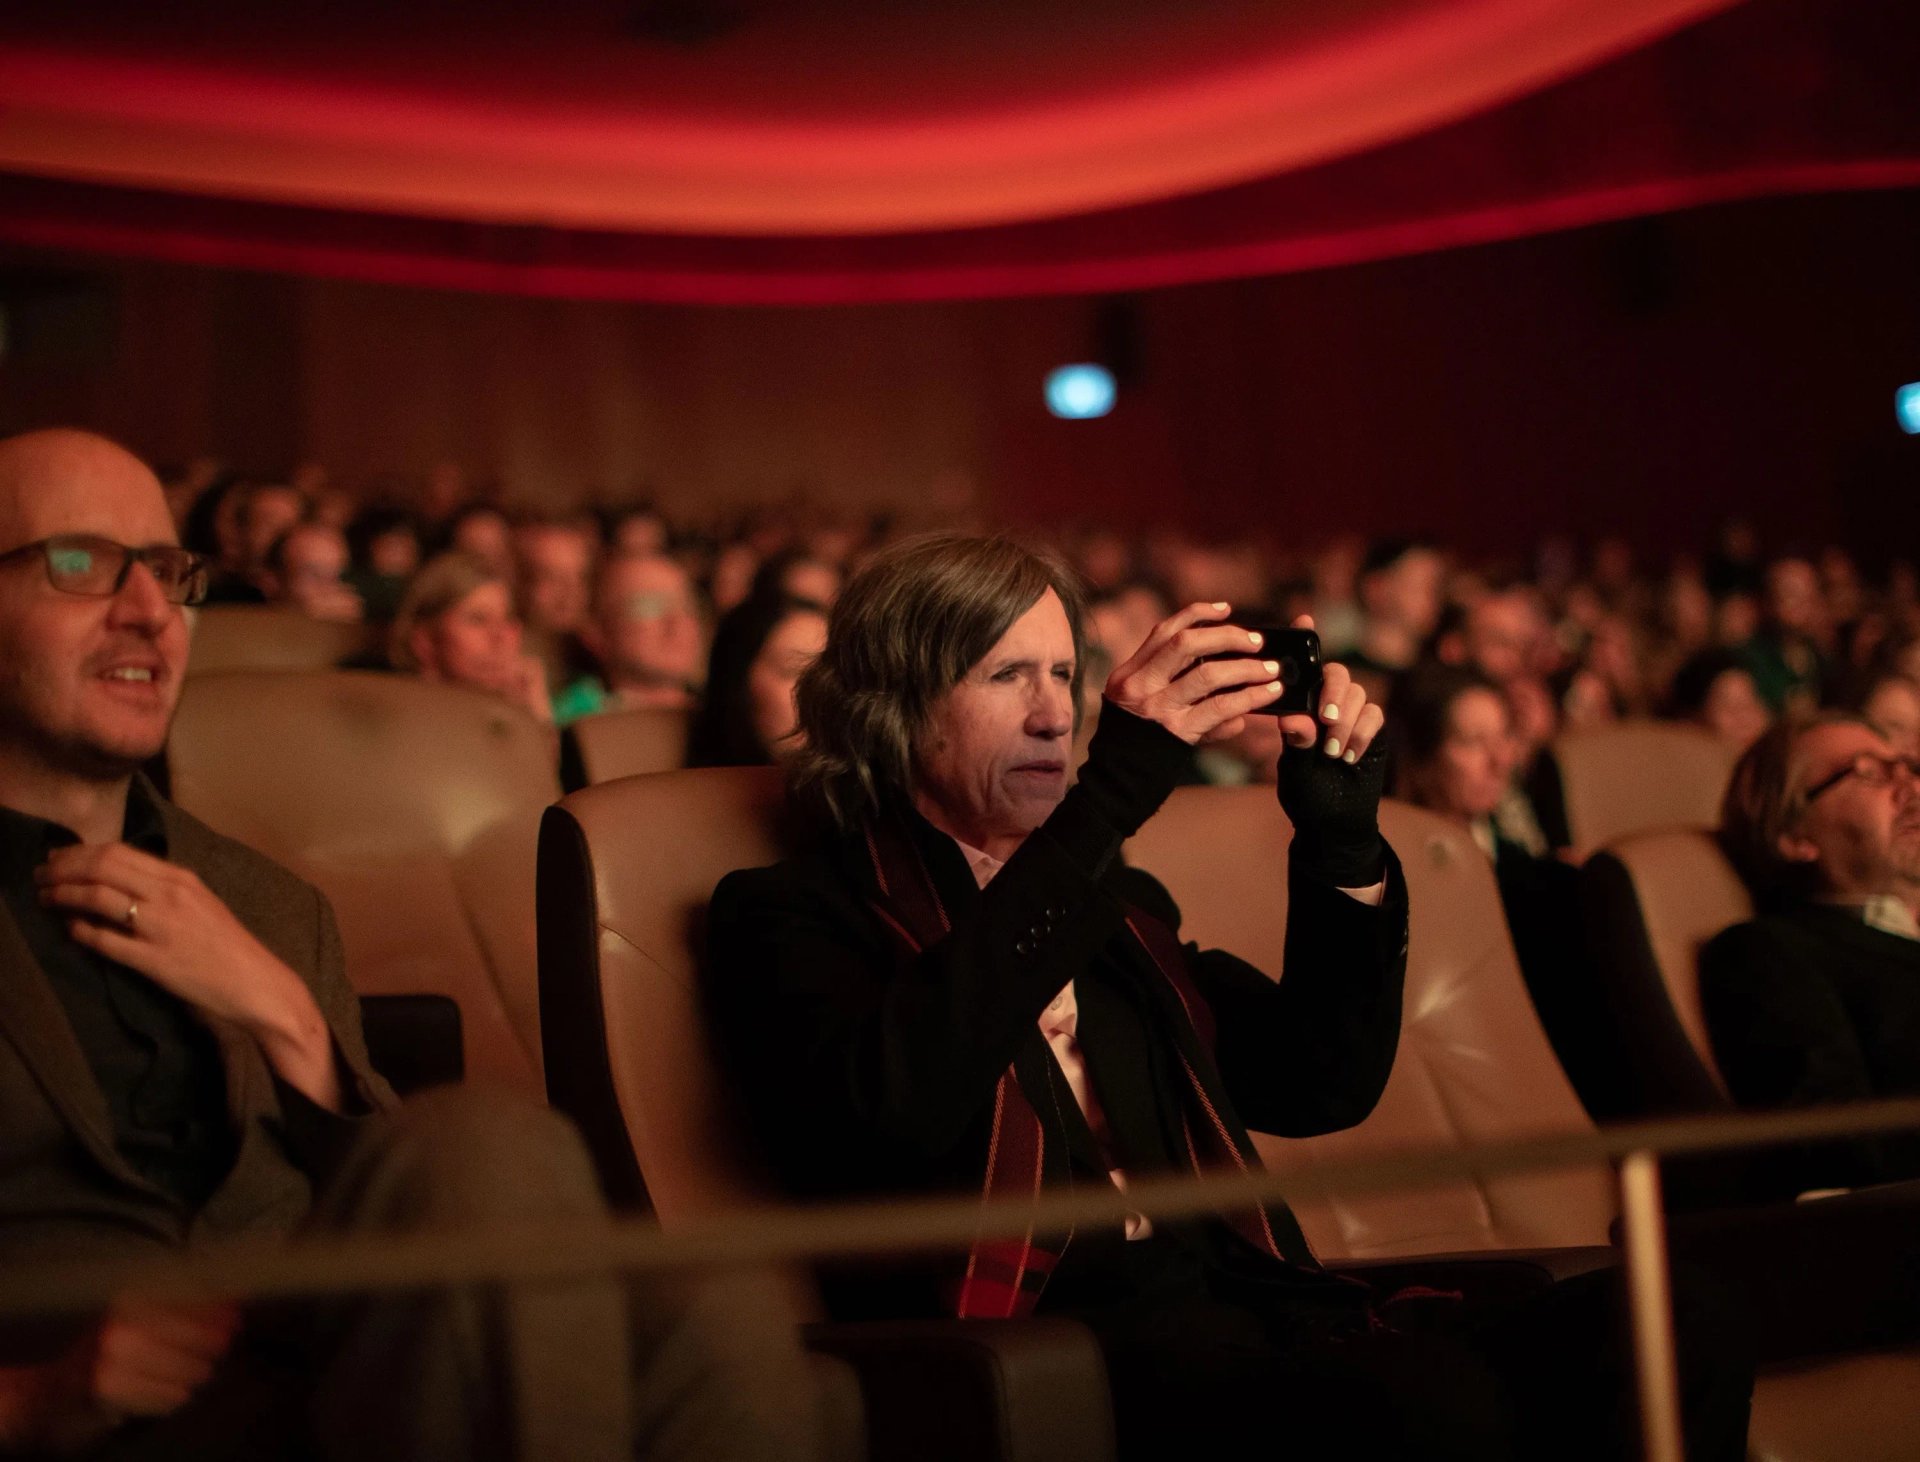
(622, 904)
(630, 743)
(414, 807)
(1640, 775)
(1473, 1066)
(253, 637)
(1657, 898)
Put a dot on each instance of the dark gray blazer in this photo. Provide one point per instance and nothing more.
(65, 1192)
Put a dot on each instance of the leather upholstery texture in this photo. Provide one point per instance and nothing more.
(1640, 775)
(1861, 1408)
(1688, 892)
(626, 869)
(255, 637)
(413, 807)
(630, 743)
(1656, 899)
(1473, 1066)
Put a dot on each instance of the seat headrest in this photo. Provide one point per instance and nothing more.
(1684, 891)
(253, 637)
(342, 758)
(626, 872)
(1637, 776)
(630, 743)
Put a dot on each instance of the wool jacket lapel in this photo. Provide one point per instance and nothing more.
(37, 1025)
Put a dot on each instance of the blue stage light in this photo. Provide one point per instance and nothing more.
(1077, 392)
(1906, 408)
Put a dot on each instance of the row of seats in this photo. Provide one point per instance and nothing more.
(1615, 781)
(415, 806)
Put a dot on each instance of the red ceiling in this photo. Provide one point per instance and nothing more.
(1765, 97)
(762, 117)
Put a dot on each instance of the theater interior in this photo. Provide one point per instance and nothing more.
(531, 380)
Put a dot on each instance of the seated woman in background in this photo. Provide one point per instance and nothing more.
(760, 649)
(456, 624)
(1715, 690)
(1455, 754)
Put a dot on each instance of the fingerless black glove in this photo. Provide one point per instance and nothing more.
(1336, 814)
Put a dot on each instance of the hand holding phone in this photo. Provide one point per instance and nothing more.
(1297, 652)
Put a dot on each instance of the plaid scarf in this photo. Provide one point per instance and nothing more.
(1003, 1278)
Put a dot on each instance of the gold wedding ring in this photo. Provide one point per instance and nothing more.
(133, 914)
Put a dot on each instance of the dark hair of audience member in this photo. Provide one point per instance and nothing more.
(722, 733)
(904, 631)
(373, 523)
(1384, 553)
(770, 579)
(199, 532)
(1422, 717)
(1693, 682)
(1764, 801)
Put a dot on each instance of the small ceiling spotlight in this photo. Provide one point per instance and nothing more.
(1081, 392)
(1906, 407)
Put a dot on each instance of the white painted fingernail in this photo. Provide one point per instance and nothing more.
(1253, 637)
(1221, 604)
(1333, 746)
(1351, 757)
(1274, 687)
(1272, 666)
(1331, 713)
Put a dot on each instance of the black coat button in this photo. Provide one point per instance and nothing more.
(1021, 946)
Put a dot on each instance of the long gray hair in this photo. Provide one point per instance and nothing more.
(903, 633)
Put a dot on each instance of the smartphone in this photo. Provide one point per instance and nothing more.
(1298, 651)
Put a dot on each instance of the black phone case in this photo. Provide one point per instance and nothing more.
(1298, 651)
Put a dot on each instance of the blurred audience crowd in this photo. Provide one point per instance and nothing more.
(574, 614)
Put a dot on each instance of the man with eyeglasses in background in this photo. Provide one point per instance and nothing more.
(1817, 1000)
(181, 1062)
(647, 635)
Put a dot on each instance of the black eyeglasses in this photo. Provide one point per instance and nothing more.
(1871, 768)
(81, 563)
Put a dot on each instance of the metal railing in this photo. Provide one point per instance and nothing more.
(306, 1266)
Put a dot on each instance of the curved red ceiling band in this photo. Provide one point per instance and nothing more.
(1776, 96)
(1301, 84)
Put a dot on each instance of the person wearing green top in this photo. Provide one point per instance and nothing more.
(647, 635)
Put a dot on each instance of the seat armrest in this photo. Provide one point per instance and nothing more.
(1486, 1274)
(1032, 1390)
(1822, 1278)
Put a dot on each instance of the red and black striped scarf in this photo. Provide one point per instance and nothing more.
(1003, 1278)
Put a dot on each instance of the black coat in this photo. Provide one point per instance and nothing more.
(1810, 1007)
(865, 1070)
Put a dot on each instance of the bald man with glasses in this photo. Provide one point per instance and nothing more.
(181, 1063)
(1818, 1000)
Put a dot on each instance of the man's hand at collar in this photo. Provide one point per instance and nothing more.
(161, 920)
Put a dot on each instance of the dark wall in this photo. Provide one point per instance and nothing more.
(1650, 378)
